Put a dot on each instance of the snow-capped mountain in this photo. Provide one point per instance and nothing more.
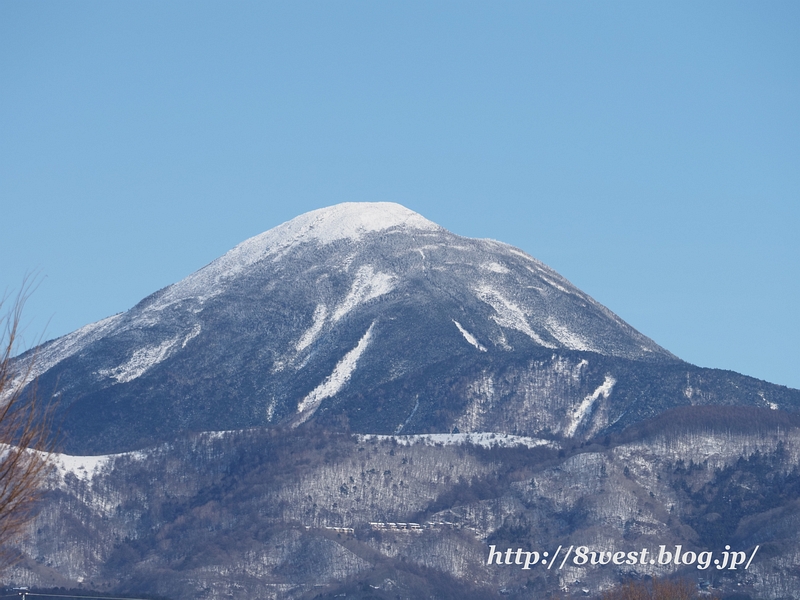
(360, 403)
(372, 313)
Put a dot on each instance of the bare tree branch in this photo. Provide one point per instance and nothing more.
(26, 443)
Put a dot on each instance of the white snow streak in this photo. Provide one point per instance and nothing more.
(336, 380)
(558, 286)
(52, 353)
(144, 359)
(140, 362)
(494, 267)
(408, 420)
(367, 285)
(508, 314)
(569, 338)
(469, 337)
(520, 253)
(311, 334)
(271, 409)
(192, 334)
(484, 439)
(583, 409)
(772, 405)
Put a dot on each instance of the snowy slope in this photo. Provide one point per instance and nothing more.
(363, 311)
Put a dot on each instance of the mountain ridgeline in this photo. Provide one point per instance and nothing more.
(371, 317)
(359, 403)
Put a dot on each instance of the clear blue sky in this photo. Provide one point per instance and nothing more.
(648, 152)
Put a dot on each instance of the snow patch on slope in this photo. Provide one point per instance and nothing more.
(144, 359)
(483, 439)
(367, 285)
(51, 353)
(583, 409)
(772, 405)
(85, 468)
(140, 362)
(508, 314)
(337, 379)
(312, 332)
(558, 286)
(192, 334)
(522, 254)
(569, 338)
(495, 267)
(82, 467)
(408, 419)
(469, 337)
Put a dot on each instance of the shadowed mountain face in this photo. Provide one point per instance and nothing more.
(370, 314)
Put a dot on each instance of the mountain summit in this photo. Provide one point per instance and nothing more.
(369, 314)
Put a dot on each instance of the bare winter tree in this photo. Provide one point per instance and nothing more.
(26, 443)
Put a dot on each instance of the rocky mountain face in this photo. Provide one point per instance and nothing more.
(265, 424)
